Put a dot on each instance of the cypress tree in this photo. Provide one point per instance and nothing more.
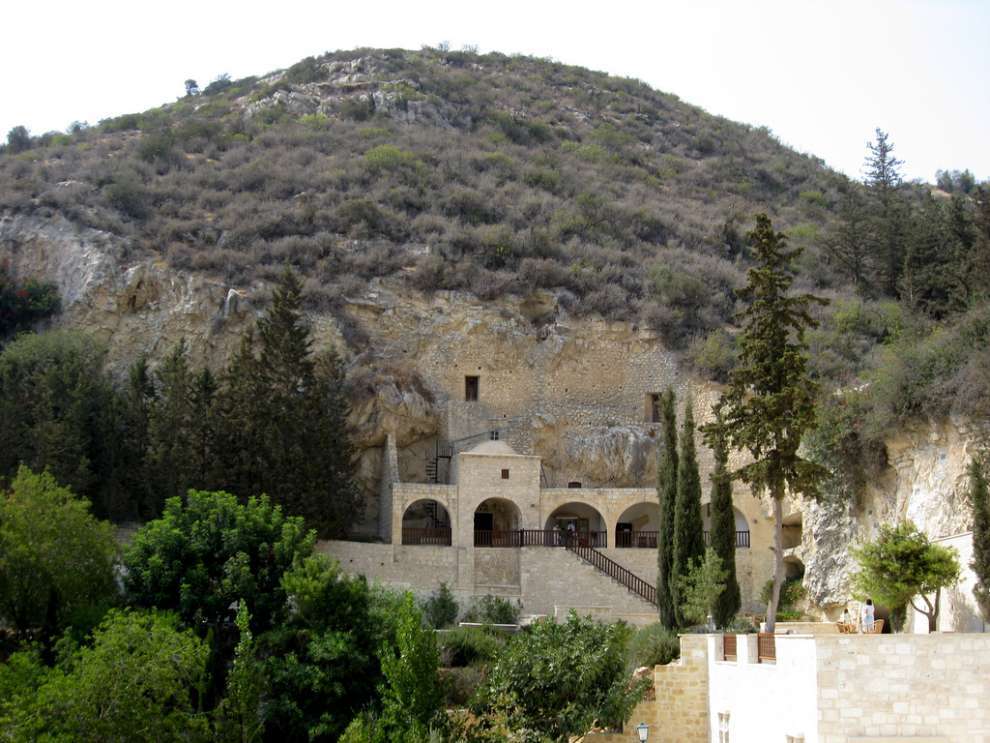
(170, 457)
(980, 501)
(238, 441)
(689, 531)
(203, 431)
(723, 523)
(136, 404)
(667, 495)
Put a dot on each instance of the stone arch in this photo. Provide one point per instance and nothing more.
(581, 519)
(426, 521)
(742, 526)
(495, 521)
(638, 525)
(793, 568)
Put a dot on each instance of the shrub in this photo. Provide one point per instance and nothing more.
(653, 645)
(713, 355)
(791, 592)
(24, 304)
(440, 609)
(126, 194)
(493, 610)
(467, 646)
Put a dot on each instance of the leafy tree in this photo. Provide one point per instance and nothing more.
(701, 586)
(902, 564)
(210, 552)
(138, 681)
(239, 716)
(22, 304)
(559, 679)
(411, 696)
(320, 662)
(18, 140)
(979, 498)
(667, 495)
(770, 403)
(689, 531)
(723, 524)
(192, 87)
(56, 560)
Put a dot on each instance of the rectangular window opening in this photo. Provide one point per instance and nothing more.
(654, 407)
(505, 474)
(471, 389)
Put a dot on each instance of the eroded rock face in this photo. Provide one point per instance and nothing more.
(619, 456)
(926, 482)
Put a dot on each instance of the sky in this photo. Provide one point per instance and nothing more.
(823, 75)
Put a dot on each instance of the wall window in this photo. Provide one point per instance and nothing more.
(653, 407)
(574, 484)
(471, 388)
(505, 474)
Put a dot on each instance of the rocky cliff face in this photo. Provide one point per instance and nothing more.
(925, 481)
(574, 391)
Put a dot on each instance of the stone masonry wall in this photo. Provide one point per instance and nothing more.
(682, 695)
(904, 685)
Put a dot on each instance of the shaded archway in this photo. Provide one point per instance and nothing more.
(426, 522)
(742, 526)
(638, 526)
(580, 521)
(496, 523)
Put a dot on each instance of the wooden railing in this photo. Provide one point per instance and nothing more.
(642, 539)
(614, 570)
(766, 645)
(538, 538)
(729, 647)
(742, 539)
(437, 535)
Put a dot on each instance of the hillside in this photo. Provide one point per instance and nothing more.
(491, 174)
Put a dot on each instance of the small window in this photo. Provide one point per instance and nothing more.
(505, 474)
(654, 407)
(574, 484)
(471, 389)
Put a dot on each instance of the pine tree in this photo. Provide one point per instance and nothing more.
(170, 456)
(238, 439)
(979, 495)
(849, 245)
(723, 523)
(136, 404)
(883, 180)
(689, 530)
(667, 495)
(202, 432)
(770, 403)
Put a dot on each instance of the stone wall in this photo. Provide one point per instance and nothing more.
(682, 695)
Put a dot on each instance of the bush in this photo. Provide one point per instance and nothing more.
(466, 646)
(493, 610)
(791, 592)
(653, 645)
(440, 609)
(23, 304)
(713, 355)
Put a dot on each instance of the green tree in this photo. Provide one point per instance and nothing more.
(203, 432)
(888, 210)
(320, 661)
(238, 429)
(136, 403)
(171, 452)
(770, 402)
(701, 586)
(849, 245)
(901, 565)
(58, 410)
(558, 679)
(667, 495)
(979, 498)
(139, 680)
(440, 609)
(240, 716)
(18, 140)
(689, 530)
(412, 695)
(192, 87)
(210, 552)
(723, 523)
(56, 560)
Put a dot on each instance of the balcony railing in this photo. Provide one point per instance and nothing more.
(729, 647)
(766, 647)
(742, 539)
(437, 535)
(538, 538)
(642, 539)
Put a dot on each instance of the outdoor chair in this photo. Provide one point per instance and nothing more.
(877, 628)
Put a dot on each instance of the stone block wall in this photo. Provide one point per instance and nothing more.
(682, 695)
(904, 685)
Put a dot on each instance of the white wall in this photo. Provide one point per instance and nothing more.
(959, 611)
(765, 701)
